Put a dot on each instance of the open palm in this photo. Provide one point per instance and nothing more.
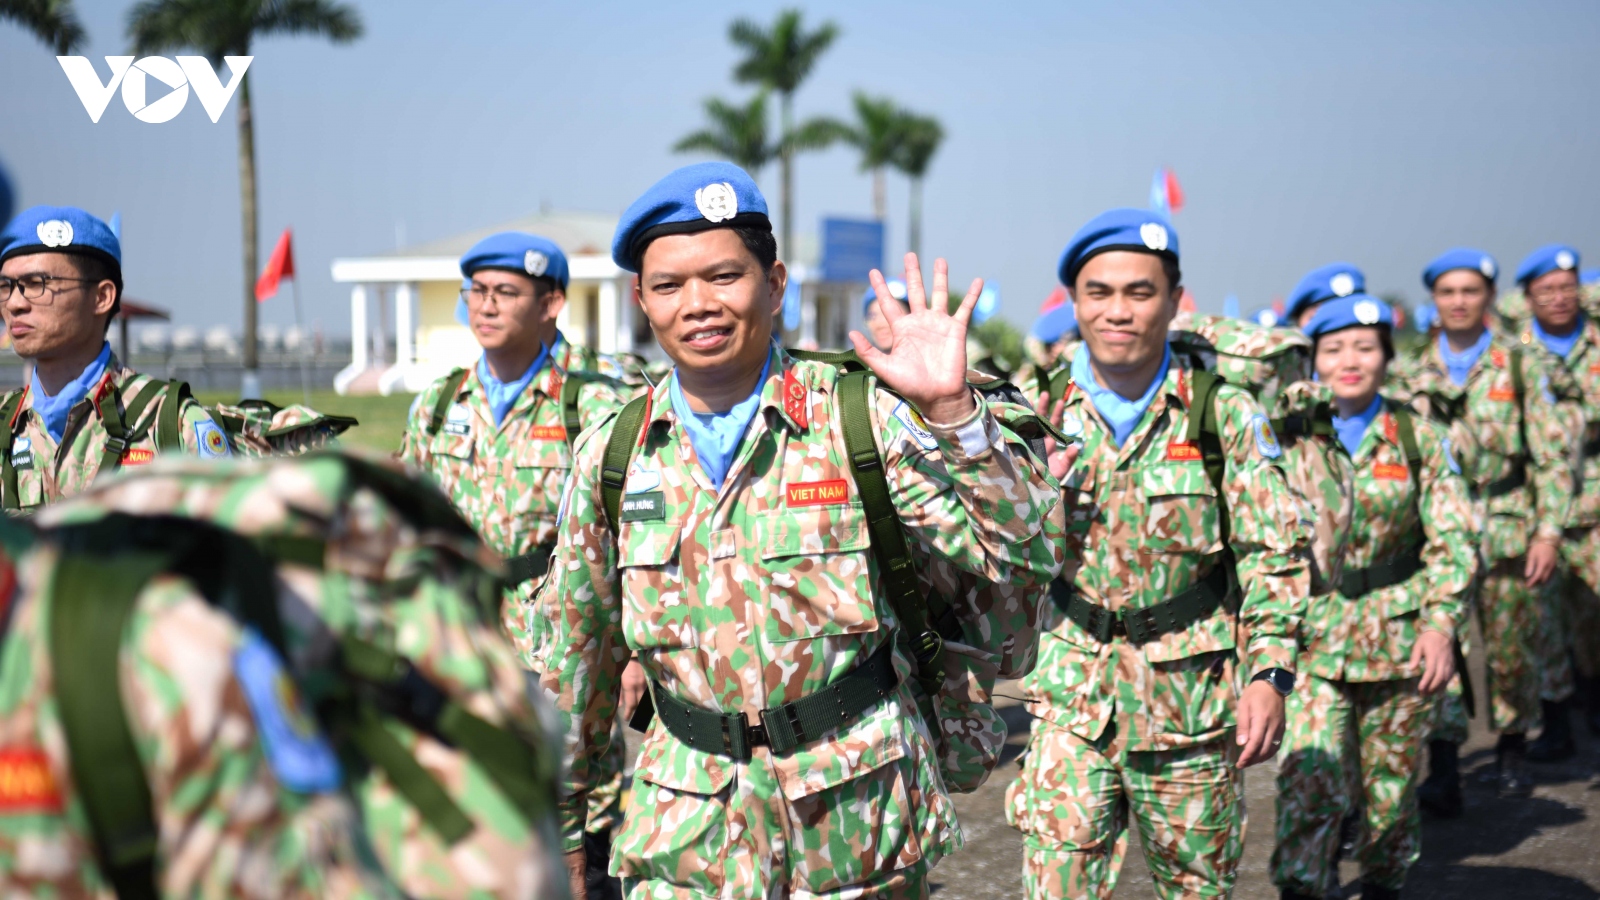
(927, 361)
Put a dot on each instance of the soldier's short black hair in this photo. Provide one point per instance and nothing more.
(93, 269)
(760, 242)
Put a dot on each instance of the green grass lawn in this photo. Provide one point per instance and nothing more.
(383, 419)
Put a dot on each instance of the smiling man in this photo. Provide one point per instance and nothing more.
(1186, 576)
(717, 530)
(83, 413)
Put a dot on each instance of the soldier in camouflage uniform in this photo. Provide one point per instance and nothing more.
(1171, 643)
(387, 603)
(743, 576)
(1513, 419)
(1324, 283)
(1559, 325)
(1381, 640)
(499, 440)
(245, 808)
(60, 286)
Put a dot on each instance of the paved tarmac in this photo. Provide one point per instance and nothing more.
(1546, 847)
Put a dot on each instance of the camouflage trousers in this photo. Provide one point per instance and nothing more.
(605, 801)
(1075, 798)
(1516, 621)
(1342, 737)
(1579, 619)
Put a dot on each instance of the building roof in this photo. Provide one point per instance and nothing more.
(577, 233)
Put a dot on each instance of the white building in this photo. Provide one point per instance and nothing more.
(412, 293)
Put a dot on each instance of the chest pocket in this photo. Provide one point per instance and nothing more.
(1181, 510)
(654, 614)
(543, 450)
(1494, 413)
(454, 446)
(816, 572)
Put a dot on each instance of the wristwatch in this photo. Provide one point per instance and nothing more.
(1282, 680)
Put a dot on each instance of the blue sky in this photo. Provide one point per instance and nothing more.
(1381, 133)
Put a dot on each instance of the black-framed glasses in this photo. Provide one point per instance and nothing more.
(35, 287)
(502, 293)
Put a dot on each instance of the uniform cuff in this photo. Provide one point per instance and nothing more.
(970, 438)
(1269, 653)
(1548, 533)
(1438, 620)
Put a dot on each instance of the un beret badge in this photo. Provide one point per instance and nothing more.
(1564, 260)
(1366, 312)
(54, 233)
(1342, 285)
(1486, 266)
(717, 201)
(1154, 235)
(535, 263)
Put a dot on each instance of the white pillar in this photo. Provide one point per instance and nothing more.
(360, 339)
(405, 294)
(610, 320)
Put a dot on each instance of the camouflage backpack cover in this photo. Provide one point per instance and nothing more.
(383, 604)
(263, 428)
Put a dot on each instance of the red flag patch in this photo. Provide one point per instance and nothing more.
(819, 493)
(26, 784)
(794, 400)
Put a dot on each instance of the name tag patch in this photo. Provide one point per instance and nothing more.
(22, 453)
(1391, 471)
(649, 506)
(818, 493)
(137, 456)
(458, 421)
(26, 784)
(1183, 451)
(548, 433)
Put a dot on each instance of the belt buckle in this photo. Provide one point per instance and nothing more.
(754, 735)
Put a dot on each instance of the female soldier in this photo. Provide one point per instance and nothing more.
(1380, 642)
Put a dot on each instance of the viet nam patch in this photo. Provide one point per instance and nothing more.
(458, 421)
(1390, 471)
(137, 456)
(1183, 451)
(818, 493)
(548, 433)
(1266, 440)
(213, 443)
(913, 422)
(26, 784)
(300, 756)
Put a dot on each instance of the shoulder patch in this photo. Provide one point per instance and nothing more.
(300, 756)
(641, 479)
(913, 423)
(212, 442)
(1266, 440)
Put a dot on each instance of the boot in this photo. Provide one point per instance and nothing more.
(1511, 754)
(597, 859)
(1554, 743)
(1287, 894)
(1370, 891)
(1440, 794)
(1589, 688)
(1349, 833)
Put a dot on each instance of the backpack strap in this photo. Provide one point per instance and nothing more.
(8, 471)
(447, 396)
(1204, 430)
(571, 387)
(624, 438)
(91, 599)
(888, 536)
(169, 420)
(1407, 432)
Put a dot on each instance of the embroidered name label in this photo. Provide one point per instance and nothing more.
(26, 784)
(644, 507)
(548, 433)
(1183, 451)
(818, 493)
(1391, 471)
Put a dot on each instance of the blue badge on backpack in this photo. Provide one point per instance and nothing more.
(301, 757)
(1266, 440)
(213, 443)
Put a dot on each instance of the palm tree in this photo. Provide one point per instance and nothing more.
(779, 59)
(52, 21)
(735, 133)
(878, 134)
(921, 140)
(219, 28)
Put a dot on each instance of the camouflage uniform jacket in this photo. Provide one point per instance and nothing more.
(506, 480)
(762, 592)
(228, 827)
(1144, 524)
(1584, 365)
(1493, 438)
(47, 472)
(413, 591)
(1370, 638)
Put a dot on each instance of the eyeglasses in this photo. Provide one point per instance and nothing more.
(1547, 295)
(501, 293)
(34, 287)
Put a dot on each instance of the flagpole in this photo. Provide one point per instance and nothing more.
(305, 379)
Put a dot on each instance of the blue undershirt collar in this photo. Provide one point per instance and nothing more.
(1353, 429)
(54, 410)
(1560, 345)
(716, 436)
(1120, 413)
(1459, 364)
(502, 395)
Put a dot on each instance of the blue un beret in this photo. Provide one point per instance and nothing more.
(1589, 276)
(1323, 284)
(897, 290)
(62, 229)
(1546, 259)
(692, 199)
(1049, 327)
(1140, 230)
(1461, 258)
(1348, 312)
(517, 251)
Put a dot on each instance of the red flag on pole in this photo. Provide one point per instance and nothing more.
(1174, 192)
(280, 266)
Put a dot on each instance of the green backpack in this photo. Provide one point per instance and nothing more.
(361, 696)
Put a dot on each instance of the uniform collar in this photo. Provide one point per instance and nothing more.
(784, 376)
(1176, 393)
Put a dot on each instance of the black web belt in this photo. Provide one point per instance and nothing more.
(529, 566)
(1502, 486)
(1380, 575)
(1147, 623)
(782, 728)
